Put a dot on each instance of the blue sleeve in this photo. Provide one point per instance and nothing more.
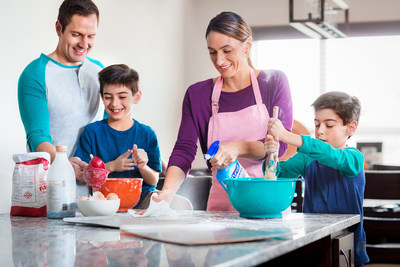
(348, 161)
(84, 146)
(98, 63)
(32, 104)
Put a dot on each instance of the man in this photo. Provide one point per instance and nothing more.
(58, 93)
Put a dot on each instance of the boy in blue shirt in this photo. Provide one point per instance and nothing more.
(333, 172)
(128, 148)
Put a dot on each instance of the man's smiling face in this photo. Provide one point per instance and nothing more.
(77, 39)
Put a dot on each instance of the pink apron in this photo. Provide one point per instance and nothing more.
(248, 124)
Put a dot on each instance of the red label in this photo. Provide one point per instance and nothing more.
(27, 195)
(26, 211)
(36, 162)
(43, 186)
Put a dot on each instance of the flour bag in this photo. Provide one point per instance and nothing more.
(29, 184)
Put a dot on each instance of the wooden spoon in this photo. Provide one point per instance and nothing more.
(272, 161)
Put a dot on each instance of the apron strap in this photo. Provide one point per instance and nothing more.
(256, 88)
(218, 86)
(215, 95)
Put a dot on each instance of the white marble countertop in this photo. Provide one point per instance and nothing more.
(35, 241)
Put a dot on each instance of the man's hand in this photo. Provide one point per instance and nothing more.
(78, 166)
(47, 147)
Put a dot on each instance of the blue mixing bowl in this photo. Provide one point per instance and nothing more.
(259, 198)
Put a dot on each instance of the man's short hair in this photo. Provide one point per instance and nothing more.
(347, 107)
(119, 74)
(75, 7)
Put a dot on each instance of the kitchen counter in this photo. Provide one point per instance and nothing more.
(35, 241)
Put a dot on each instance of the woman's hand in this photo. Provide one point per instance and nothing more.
(271, 144)
(226, 154)
(165, 194)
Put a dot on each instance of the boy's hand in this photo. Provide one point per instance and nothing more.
(271, 144)
(276, 129)
(122, 163)
(139, 157)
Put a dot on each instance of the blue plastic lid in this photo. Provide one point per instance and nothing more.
(212, 150)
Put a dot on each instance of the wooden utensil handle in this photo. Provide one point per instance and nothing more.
(275, 112)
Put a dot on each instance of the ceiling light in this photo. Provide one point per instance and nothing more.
(316, 24)
(342, 4)
(306, 30)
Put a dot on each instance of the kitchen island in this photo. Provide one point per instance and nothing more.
(300, 239)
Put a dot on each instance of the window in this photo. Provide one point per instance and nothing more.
(366, 67)
(299, 60)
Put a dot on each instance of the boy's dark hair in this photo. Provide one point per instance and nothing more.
(75, 7)
(119, 74)
(347, 107)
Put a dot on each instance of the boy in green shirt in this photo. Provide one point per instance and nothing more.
(333, 172)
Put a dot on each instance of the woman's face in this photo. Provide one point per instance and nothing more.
(227, 54)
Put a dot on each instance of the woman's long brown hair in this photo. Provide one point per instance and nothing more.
(232, 25)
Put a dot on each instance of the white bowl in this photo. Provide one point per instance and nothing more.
(98, 207)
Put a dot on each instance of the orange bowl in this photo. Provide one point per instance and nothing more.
(127, 189)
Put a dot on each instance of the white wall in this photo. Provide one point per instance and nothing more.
(146, 35)
(26, 30)
(162, 39)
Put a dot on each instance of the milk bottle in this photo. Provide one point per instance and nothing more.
(61, 186)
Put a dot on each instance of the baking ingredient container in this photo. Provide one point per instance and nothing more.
(127, 189)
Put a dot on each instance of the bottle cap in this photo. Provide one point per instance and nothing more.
(212, 150)
(61, 148)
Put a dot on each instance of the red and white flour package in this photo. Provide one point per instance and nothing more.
(29, 184)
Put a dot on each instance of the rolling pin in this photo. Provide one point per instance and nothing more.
(272, 161)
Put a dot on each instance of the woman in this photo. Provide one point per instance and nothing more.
(233, 108)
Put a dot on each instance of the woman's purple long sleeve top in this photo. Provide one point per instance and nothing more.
(196, 112)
